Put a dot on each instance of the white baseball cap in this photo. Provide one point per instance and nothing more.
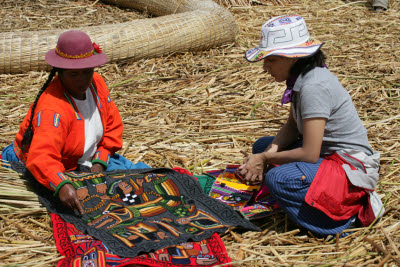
(285, 36)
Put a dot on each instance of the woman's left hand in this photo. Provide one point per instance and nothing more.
(96, 168)
(253, 168)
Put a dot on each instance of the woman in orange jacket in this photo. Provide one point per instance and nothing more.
(73, 124)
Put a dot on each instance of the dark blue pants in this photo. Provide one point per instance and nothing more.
(289, 184)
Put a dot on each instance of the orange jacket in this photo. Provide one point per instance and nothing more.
(59, 133)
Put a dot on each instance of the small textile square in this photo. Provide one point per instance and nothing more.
(252, 201)
(80, 249)
(228, 189)
(262, 205)
(261, 208)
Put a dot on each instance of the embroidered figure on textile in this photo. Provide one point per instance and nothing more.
(185, 252)
(83, 250)
(96, 180)
(128, 192)
(138, 211)
(92, 258)
(166, 197)
(194, 224)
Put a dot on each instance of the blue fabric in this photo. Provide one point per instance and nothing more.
(118, 162)
(289, 184)
(261, 144)
(8, 154)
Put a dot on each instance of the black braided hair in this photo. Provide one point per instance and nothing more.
(27, 138)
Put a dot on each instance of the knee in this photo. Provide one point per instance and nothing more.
(272, 178)
(261, 144)
(286, 177)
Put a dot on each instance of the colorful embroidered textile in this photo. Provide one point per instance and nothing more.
(181, 170)
(228, 189)
(252, 201)
(256, 211)
(206, 181)
(80, 249)
(263, 204)
(136, 211)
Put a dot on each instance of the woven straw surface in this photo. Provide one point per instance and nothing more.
(202, 110)
(184, 25)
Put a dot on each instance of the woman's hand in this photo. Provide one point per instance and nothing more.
(253, 168)
(97, 167)
(69, 198)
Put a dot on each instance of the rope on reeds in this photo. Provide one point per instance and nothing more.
(254, 2)
(182, 25)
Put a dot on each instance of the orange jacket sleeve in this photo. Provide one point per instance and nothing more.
(44, 156)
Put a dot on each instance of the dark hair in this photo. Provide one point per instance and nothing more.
(27, 138)
(305, 64)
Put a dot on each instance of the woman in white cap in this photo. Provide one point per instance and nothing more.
(319, 166)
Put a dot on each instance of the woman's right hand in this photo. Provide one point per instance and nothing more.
(69, 197)
(253, 167)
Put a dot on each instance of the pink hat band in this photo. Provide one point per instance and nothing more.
(75, 50)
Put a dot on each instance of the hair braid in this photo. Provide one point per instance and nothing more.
(27, 138)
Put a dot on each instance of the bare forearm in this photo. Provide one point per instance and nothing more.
(313, 130)
(288, 156)
(285, 137)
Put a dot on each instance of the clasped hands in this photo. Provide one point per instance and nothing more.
(253, 168)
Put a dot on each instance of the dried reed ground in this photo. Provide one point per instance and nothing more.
(201, 110)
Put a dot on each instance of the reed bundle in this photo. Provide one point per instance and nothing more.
(187, 25)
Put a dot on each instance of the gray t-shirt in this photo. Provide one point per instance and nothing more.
(319, 94)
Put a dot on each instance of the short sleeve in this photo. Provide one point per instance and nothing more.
(315, 101)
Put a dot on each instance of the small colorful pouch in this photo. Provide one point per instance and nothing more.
(228, 189)
(256, 211)
(262, 205)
